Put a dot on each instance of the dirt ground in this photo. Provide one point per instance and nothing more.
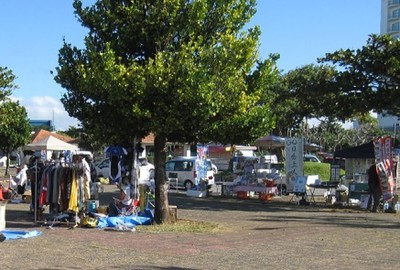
(252, 234)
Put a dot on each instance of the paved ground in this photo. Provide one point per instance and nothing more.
(252, 235)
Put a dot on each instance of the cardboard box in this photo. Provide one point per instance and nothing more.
(28, 198)
(173, 213)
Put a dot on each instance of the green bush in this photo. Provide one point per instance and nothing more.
(315, 168)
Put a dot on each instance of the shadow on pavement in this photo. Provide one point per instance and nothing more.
(279, 210)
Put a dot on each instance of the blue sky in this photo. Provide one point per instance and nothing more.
(300, 31)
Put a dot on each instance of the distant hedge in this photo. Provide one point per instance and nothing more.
(322, 169)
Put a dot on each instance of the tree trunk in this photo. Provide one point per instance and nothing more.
(161, 211)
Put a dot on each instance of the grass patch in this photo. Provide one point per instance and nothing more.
(182, 225)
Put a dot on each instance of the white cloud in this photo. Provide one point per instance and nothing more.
(48, 108)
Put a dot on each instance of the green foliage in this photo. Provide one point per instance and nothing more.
(358, 82)
(369, 77)
(14, 124)
(321, 169)
(183, 70)
(305, 92)
(44, 127)
(72, 132)
(7, 84)
(14, 127)
(189, 64)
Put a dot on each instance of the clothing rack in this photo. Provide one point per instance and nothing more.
(57, 184)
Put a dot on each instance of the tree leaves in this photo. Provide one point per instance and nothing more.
(7, 84)
(369, 78)
(180, 69)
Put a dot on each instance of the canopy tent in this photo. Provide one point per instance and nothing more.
(50, 144)
(365, 150)
(270, 141)
(311, 146)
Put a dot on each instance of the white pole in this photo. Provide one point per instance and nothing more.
(35, 200)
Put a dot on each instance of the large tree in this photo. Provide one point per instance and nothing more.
(7, 82)
(14, 123)
(14, 128)
(368, 78)
(307, 92)
(181, 69)
(348, 85)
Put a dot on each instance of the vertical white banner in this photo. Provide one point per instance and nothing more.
(294, 165)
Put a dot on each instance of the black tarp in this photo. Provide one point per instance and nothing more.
(361, 151)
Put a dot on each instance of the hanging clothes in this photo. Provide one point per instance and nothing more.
(73, 200)
(61, 188)
(43, 187)
(116, 154)
(86, 179)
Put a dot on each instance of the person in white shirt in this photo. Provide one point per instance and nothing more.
(124, 201)
(20, 180)
(125, 189)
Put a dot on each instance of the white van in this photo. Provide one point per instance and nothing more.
(83, 153)
(181, 171)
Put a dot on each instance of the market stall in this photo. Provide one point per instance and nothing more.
(380, 151)
(254, 178)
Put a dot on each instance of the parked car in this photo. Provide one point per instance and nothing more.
(181, 171)
(103, 168)
(311, 158)
(3, 161)
(146, 169)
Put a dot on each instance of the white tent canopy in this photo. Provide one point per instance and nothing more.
(51, 144)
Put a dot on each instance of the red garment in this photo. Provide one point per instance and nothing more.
(43, 192)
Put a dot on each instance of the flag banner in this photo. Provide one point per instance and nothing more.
(383, 148)
(201, 163)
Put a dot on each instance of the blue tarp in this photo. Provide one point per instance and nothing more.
(12, 235)
(127, 221)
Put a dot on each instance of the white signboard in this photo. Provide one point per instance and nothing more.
(294, 166)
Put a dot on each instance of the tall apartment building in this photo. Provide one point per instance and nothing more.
(390, 18)
(390, 24)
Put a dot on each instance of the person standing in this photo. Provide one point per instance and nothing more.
(86, 178)
(374, 188)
